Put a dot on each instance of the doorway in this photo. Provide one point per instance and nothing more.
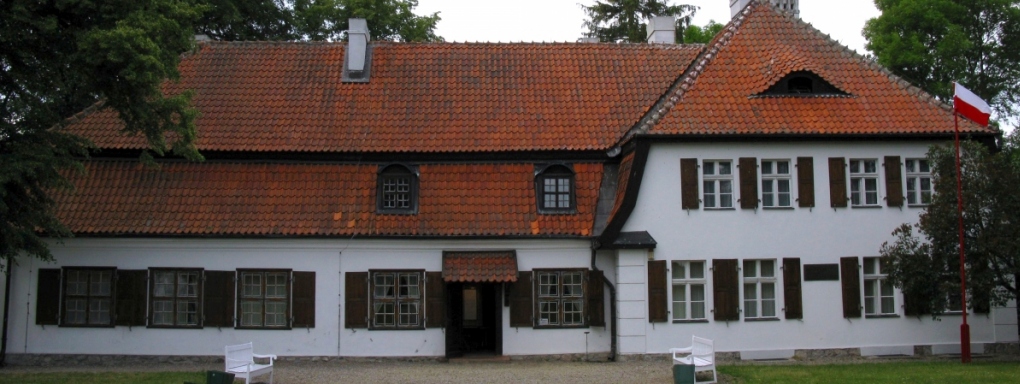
(475, 314)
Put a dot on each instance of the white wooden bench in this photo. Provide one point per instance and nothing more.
(701, 354)
(240, 360)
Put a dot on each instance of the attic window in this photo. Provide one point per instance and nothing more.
(554, 186)
(803, 83)
(397, 189)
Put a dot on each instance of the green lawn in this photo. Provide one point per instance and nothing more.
(102, 378)
(907, 372)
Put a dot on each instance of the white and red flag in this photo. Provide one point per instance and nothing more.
(970, 105)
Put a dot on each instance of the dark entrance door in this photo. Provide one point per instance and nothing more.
(475, 319)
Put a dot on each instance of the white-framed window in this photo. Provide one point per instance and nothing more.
(759, 289)
(878, 291)
(560, 298)
(688, 290)
(918, 182)
(864, 182)
(775, 183)
(397, 299)
(717, 178)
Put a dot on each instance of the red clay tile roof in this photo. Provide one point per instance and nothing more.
(439, 97)
(718, 94)
(480, 267)
(257, 199)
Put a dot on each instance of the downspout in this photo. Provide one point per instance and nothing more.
(7, 308)
(612, 305)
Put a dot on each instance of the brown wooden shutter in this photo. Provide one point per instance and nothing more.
(806, 182)
(356, 300)
(596, 299)
(218, 303)
(689, 184)
(748, 182)
(849, 275)
(658, 302)
(893, 182)
(131, 291)
(837, 182)
(47, 301)
(304, 300)
(435, 300)
(791, 288)
(725, 289)
(521, 309)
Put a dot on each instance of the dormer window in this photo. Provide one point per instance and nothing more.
(397, 189)
(555, 189)
(802, 83)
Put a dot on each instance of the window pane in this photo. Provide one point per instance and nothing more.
(99, 311)
(276, 314)
(549, 313)
(697, 269)
(572, 312)
(855, 166)
(187, 312)
(870, 166)
(384, 314)
(276, 285)
(679, 272)
(100, 284)
(74, 311)
(409, 313)
(766, 186)
(251, 313)
(750, 268)
(709, 168)
(162, 312)
(750, 302)
(679, 310)
(563, 185)
(187, 284)
(409, 285)
(766, 167)
(77, 281)
(252, 284)
(164, 284)
(924, 166)
(549, 284)
(680, 301)
(909, 164)
(383, 285)
(572, 284)
(783, 167)
(698, 310)
(724, 168)
(768, 268)
(870, 264)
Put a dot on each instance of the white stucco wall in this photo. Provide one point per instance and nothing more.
(818, 235)
(328, 258)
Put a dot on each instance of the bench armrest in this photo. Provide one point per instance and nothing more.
(271, 357)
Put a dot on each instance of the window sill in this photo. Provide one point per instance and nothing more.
(173, 327)
(757, 319)
(882, 316)
(264, 328)
(777, 208)
(866, 206)
(418, 328)
(397, 212)
(690, 321)
(86, 325)
(720, 209)
(560, 326)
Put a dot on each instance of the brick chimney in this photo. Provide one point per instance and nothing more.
(358, 55)
(662, 30)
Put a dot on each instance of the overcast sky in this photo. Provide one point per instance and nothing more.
(560, 20)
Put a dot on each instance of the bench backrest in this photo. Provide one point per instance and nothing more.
(703, 348)
(240, 352)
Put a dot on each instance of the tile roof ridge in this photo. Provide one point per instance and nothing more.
(687, 79)
(79, 116)
(872, 64)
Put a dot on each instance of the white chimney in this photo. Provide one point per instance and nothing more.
(662, 30)
(357, 46)
(787, 6)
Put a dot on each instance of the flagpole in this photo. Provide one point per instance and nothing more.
(964, 328)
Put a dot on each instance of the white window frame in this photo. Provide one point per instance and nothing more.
(771, 182)
(684, 305)
(917, 177)
(864, 183)
(881, 290)
(757, 307)
(713, 181)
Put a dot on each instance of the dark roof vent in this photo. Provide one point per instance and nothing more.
(803, 83)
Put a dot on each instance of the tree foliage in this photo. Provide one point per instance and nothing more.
(624, 20)
(936, 42)
(702, 35)
(926, 266)
(58, 58)
(392, 20)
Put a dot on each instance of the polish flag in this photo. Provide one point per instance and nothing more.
(970, 105)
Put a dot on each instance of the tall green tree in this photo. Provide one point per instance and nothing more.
(925, 264)
(60, 57)
(392, 20)
(624, 20)
(694, 34)
(935, 42)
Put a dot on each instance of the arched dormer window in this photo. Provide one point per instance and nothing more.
(803, 83)
(397, 189)
(554, 189)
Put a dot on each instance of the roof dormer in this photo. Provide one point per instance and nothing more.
(803, 83)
